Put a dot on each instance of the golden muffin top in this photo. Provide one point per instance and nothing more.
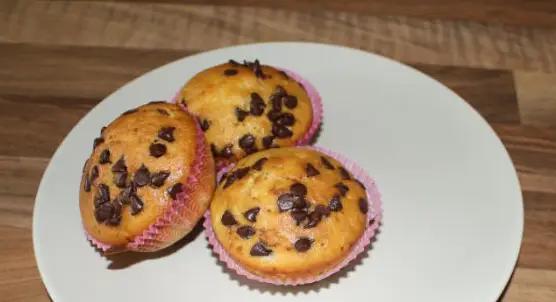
(244, 108)
(289, 212)
(136, 169)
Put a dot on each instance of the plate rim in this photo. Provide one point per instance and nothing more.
(519, 215)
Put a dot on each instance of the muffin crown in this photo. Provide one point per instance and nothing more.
(290, 212)
(137, 169)
(244, 108)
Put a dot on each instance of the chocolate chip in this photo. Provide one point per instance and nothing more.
(102, 129)
(298, 189)
(303, 244)
(104, 157)
(234, 63)
(273, 115)
(247, 141)
(361, 184)
(205, 124)
(103, 192)
(167, 133)
(245, 231)
(213, 150)
(119, 166)
(371, 221)
(363, 205)
(240, 173)
(267, 141)
(276, 101)
(157, 150)
(227, 151)
(281, 131)
(342, 188)
(94, 173)
(142, 176)
(298, 216)
(97, 202)
(252, 150)
(311, 170)
(326, 163)
(323, 210)
(183, 102)
(285, 202)
(230, 180)
(344, 173)
(280, 90)
(129, 111)
(97, 141)
(162, 111)
(158, 179)
(174, 190)
(230, 72)
(114, 220)
(290, 101)
(299, 202)
(104, 211)
(257, 105)
(87, 184)
(157, 102)
(285, 119)
(241, 114)
(136, 205)
(258, 165)
(259, 249)
(116, 215)
(228, 219)
(285, 75)
(314, 219)
(120, 179)
(256, 67)
(251, 214)
(125, 195)
(335, 204)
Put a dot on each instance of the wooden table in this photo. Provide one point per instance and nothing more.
(58, 59)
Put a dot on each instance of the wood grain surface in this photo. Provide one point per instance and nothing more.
(58, 59)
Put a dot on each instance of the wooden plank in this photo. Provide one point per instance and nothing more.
(532, 148)
(196, 27)
(82, 73)
(518, 12)
(491, 92)
(539, 235)
(19, 277)
(537, 97)
(531, 285)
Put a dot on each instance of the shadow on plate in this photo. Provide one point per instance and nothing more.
(125, 260)
(299, 289)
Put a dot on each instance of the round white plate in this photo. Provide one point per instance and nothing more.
(453, 211)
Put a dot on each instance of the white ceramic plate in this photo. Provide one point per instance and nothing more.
(453, 208)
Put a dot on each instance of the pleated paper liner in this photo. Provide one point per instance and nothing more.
(374, 216)
(180, 217)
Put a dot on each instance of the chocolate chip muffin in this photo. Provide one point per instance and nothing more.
(290, 214)
(148, 180)
(244, 108)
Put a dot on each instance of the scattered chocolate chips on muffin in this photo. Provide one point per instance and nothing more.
(289, 213)
(138, 168)
(247, 107)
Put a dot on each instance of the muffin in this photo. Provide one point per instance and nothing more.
(244, 108)
(148, 181)
(292, 215)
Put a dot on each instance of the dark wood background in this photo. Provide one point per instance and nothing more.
(58, 59)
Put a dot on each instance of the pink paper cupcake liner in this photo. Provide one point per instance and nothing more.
(316, 104)
(374, 216)
(179, 218)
